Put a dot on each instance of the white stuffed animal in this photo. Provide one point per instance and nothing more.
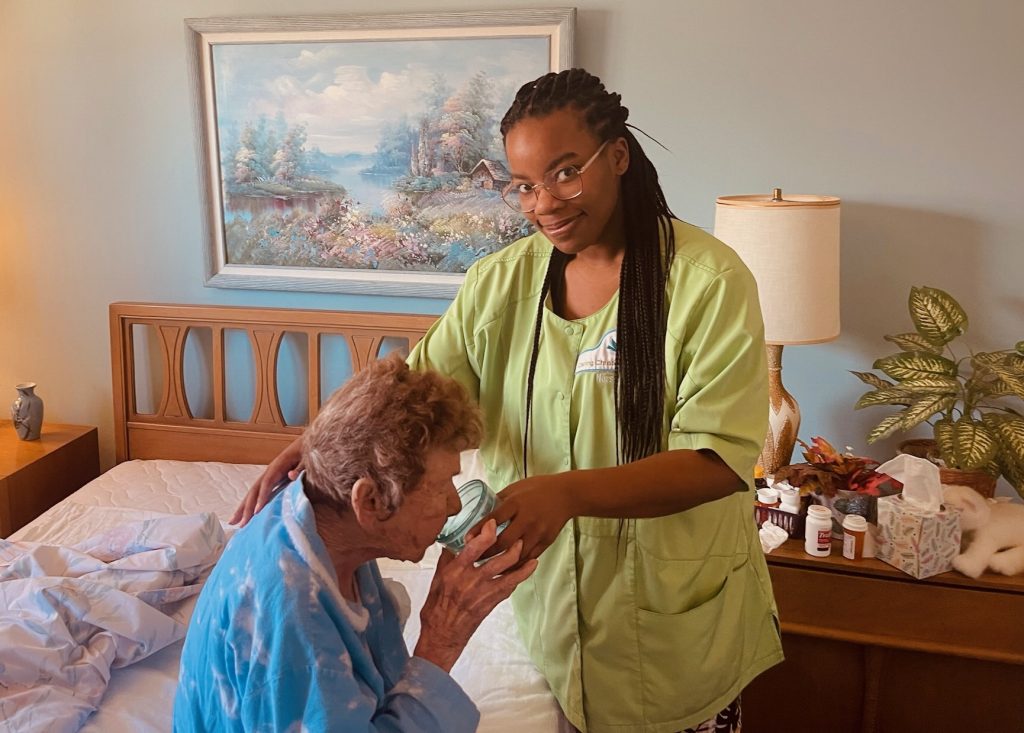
(998, 532)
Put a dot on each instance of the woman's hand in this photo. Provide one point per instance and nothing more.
(284, 466)
(536, 509)
(462, 594)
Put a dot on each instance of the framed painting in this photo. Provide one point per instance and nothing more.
(361, 153)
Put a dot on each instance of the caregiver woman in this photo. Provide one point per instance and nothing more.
(618, 357)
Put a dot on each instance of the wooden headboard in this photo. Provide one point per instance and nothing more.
(171, 430)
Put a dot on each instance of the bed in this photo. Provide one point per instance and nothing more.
(175, 458)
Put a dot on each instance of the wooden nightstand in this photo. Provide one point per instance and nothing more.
(36, 474)
(869, 649)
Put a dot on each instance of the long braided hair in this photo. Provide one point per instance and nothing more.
(640, 351)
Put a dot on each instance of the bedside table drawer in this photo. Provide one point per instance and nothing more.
(879, 651)
(901, 614)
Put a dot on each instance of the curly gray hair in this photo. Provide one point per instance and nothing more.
(381, 425)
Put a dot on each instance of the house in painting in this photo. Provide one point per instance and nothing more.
(490, 174)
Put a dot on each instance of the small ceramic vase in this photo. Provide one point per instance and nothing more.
(27, 412)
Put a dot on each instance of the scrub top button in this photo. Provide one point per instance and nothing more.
(569, 330)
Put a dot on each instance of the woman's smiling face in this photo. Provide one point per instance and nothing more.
(539, 146)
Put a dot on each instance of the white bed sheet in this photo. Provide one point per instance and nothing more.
(494, 669)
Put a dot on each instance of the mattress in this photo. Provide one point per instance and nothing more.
(494, 669)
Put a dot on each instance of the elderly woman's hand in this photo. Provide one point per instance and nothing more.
(462, 594)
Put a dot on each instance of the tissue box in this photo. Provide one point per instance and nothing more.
(919, 542)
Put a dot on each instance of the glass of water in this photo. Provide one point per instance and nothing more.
(478, 500)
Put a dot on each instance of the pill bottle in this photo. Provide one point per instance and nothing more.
(789, 499)
(768, 497)
(818, 531)
(855, 528)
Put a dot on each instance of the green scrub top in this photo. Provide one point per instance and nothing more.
(639, 625)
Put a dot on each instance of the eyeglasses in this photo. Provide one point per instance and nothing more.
(564, 184)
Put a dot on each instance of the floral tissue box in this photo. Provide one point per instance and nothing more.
(919, 542)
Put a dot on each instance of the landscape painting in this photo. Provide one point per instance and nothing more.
(365, 156)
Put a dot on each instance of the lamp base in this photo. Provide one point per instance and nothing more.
(783, 417)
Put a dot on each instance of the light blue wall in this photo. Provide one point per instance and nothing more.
(911, 112)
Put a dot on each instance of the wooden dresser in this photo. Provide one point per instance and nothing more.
(36, 474)
(869, 648)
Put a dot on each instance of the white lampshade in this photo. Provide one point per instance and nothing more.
(791, 245)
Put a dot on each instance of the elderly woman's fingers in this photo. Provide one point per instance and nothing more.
(499, 515)
(510, 580)
(512, 533)
(500, 563)
(501, 587)
(474, 531)
(462, 594)
(475, 547)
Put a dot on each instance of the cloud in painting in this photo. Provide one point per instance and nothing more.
(344, 92)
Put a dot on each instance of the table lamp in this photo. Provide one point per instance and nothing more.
(791, 245)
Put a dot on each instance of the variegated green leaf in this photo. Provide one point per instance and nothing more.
(1009, 367)
(924, 408)
(913, 342)
(887, 396)
(912, 416)
(1008, 431)
(993, 468)
(1013, 471)
(884, 429)
(988, 385)
(936, 315)
(943, 432)
(973, 445)
(999, 388)
(1005, 359)
(872, 379)
(931, 385)
(916, 365)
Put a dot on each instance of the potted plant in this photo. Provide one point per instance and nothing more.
(969, 400)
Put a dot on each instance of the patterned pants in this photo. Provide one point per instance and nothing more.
(727, 721)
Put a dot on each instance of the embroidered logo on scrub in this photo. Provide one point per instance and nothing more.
(601, 358)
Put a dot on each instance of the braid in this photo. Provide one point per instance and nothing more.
(556, 266)
(640, 352)
(640, 362)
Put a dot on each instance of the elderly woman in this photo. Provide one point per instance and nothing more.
(294, 630)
